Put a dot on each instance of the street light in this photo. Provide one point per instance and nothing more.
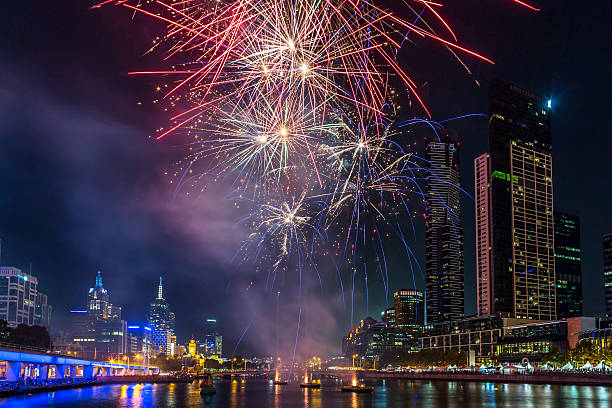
(234, 359)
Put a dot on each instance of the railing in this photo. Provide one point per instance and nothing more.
(22, 347)
(35, 383)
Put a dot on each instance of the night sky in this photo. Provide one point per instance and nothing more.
(82, 185)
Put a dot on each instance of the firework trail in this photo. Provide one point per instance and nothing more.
(297, 103)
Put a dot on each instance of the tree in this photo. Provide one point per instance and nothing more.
(35, 336)
(212, 364)
(168, 364)
(5, 331)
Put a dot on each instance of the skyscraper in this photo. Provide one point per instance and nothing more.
(18, 291)
(484, 278)
(443, 232)
(607, 267)
(160, 315)
(514, 212)
(161, 321)
(568, 270)
(98, 330)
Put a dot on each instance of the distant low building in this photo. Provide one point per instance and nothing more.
(138, 341)
(399, 329)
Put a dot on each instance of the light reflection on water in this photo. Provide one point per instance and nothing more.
(391, 393)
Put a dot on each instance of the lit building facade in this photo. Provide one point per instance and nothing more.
(500, 339)
(160, 315)
(568, 265)
(607, 269)
(515, 219)
(98, 331)
(18, 292)
(162, 342)
(484, 278)
(443, 232)
(213, 341)
(408, 311)
(388, 316)
(138, 345)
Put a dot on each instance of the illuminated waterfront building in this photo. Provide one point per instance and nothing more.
(568, 269)
(514, 208)
(443, 232)
(502, 339)
(98, 331)
(18, 291)
(607, 269)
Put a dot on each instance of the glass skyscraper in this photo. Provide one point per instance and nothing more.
(443, 232)
(607, 267)
(514, 215)
(568, 270)
(160, 315)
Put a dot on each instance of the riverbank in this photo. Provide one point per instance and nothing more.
(553, 378)
(35, 389)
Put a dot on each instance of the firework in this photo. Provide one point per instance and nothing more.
(298, 102)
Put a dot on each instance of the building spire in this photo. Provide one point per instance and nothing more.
(160, 289)
(99, 280)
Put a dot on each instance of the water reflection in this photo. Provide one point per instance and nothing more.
(255, 393)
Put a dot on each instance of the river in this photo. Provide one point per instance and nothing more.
(257, 393)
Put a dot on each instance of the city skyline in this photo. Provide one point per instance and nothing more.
(38, 240)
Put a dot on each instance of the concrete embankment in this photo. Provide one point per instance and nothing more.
(25, 390)
(554, 378)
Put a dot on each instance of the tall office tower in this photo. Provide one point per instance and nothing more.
(18, 291)
(568, 271)
(607, 267)
(98, 330)
(518, 225)
(160, 315)
(443, 233)
(484, 278)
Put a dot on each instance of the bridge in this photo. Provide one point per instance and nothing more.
(20, 365)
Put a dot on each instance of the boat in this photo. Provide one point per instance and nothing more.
(278, 381)
(310, 384)
(354, 387)
(207, 387)
(358, 388)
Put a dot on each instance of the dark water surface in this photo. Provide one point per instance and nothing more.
(390, 393)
